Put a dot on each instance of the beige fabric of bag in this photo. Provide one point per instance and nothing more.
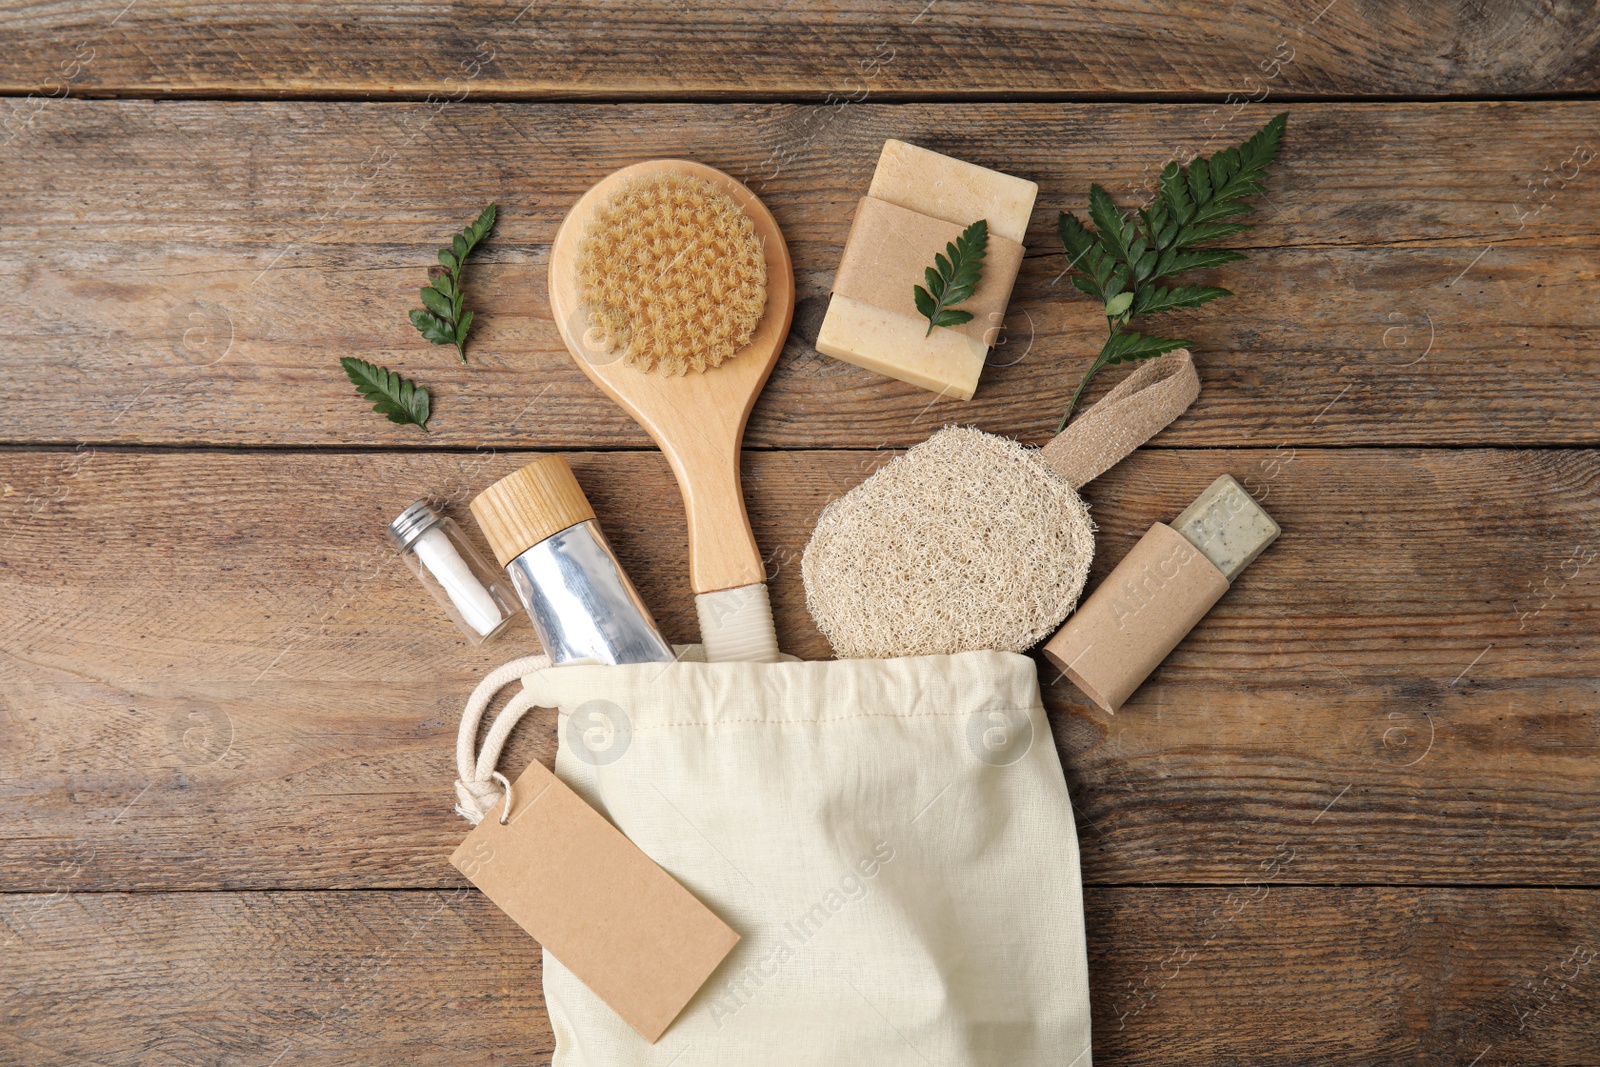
(892, 839)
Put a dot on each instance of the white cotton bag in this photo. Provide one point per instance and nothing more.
(892, 839)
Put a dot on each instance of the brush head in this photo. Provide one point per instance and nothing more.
(672, 272)
(697, 420)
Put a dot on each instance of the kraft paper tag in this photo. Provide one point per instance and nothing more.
(888, 248)
(639, 940)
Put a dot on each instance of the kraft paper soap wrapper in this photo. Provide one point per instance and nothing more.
(889, 244)
(1136, 616)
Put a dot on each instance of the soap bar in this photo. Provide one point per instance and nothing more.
(1227, 526)
(899, 345)
(892, 344)
(1158, 592)
(953, 190)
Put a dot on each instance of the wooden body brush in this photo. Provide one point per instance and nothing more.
(672, 287)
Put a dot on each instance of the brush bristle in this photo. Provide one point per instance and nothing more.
(671, 271)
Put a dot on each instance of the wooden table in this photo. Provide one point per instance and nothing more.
(1354, 819)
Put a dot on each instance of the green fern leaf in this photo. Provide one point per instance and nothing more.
(1122, 259)
(1130, 347)
(395, 398)
(1180, 260)
(1159, 298)
(1111, 223)
(953, 278)
(444, 322)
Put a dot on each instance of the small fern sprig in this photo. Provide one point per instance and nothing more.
(392, 396)
(441, 318)
(1120, 261)
(953, 278)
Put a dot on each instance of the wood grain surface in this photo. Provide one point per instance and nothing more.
(846, 48)
(190, 273)
(223, 678)
(1354, 819)
(1261, 974)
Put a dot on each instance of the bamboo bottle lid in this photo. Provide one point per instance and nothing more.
(525, 507)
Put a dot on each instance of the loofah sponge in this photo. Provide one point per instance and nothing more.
(968, 541)
(671, 271)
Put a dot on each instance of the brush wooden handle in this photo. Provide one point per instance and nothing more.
(705, 460)
(697, 419)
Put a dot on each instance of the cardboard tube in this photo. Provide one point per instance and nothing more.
(1136, 616)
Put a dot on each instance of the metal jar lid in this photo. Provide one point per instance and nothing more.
(412, 523)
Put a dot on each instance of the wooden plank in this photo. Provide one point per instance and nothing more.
(1269, 974)
(772, 47)
(214, 674)
(190, 273)
(327, 978)
(1280, 975)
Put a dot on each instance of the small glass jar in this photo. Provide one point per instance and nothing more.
(472, 590)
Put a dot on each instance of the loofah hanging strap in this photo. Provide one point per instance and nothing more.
(1140, 406)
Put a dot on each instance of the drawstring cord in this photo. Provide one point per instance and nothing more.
(479, 786)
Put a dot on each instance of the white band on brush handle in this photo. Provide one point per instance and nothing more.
(736, 625)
